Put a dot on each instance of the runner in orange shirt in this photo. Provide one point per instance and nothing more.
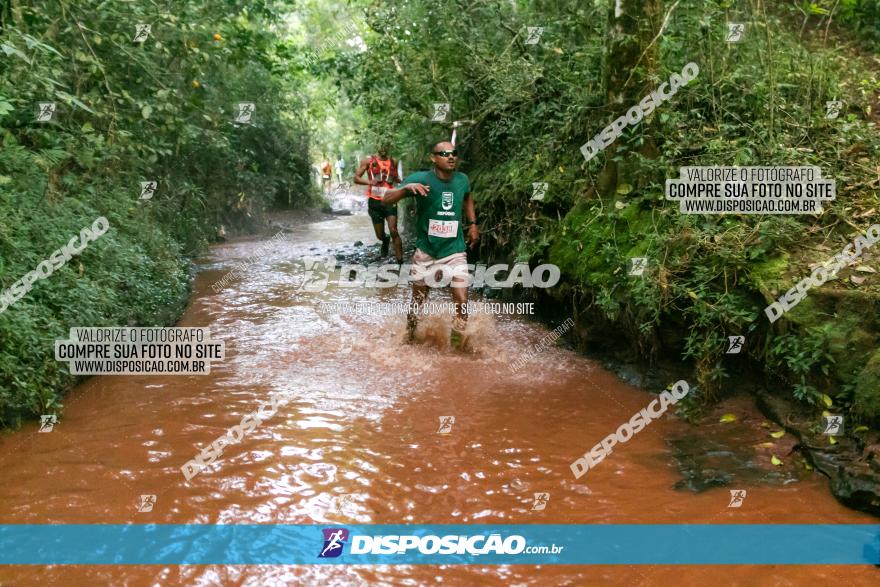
(381, 170)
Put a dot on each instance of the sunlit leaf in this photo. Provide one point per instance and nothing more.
(727, 418)
(775, 460)
(778, 434)
(10, 50)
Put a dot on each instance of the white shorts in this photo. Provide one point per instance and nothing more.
(451, 270)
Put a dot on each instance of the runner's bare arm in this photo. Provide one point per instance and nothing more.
(391, 197)
(360, 171)
(470, 217)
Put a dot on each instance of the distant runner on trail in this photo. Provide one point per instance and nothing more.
(382, 174)
(340, 168)
(326, 172)
(444, 201)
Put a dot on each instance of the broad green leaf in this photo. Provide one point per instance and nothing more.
(73, 100)
(10, 50)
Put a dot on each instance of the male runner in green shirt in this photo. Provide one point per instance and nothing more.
(445, 203)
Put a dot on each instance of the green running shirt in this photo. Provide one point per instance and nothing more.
(439, 230)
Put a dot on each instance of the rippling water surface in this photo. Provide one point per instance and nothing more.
(361, 420)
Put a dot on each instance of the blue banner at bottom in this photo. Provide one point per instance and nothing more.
(433, 544)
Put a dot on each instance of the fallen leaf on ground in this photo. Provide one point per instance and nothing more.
(778, 434)
(727, 418)
(776, 461)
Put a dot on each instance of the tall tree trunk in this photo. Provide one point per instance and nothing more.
(632, 59)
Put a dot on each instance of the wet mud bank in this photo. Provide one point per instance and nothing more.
(850, 460)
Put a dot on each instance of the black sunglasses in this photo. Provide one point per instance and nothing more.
(453, 153)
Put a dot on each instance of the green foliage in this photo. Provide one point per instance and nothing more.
(130, 112)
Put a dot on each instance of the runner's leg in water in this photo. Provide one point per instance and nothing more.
(395, 238)
(419, 297)
(379, 229)
(427, 271)
(459, 323)
(378, 213)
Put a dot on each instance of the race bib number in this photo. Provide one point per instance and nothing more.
(443, 228)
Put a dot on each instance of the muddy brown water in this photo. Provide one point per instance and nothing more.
(362, 420)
